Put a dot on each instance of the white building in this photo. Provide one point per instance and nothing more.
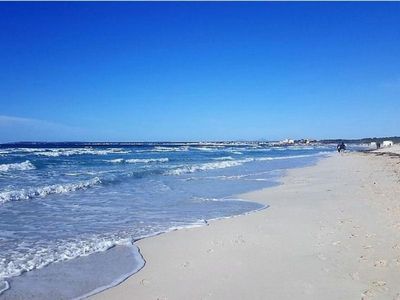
(286, 141)
(387, 143)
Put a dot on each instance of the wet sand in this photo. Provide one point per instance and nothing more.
(332, 231)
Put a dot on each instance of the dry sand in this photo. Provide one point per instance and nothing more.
(332, 231)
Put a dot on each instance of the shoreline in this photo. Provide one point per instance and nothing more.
(21, 281)
(143, 261)
(206, 223)
(188, 253)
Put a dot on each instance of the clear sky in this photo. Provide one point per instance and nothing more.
(198, 71)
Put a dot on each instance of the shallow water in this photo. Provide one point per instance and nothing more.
(75, 278)
(57, 204)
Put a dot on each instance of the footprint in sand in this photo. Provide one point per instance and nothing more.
(239, 240)
(205, 297)
(380, 263)
(210, 250)
(344, 221)
(379, 286)
(362, 258)
(397, 225)
(367, 295)
(355, 276)
(186, 264)
(144, 282)
(327, 270)
(217, 243)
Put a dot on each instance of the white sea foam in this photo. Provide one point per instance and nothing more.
(233, 163)
(208, 166)
(55, 152)
(170, 149)
(69, 249)
(138, 160)
(242, 176)
(21, 150)
(235, 152)
(26, 165)
(63, 250)
(208, 149)
(146, 160)
(290, 157)
(115, 161)
(224, 158)
(26, 194)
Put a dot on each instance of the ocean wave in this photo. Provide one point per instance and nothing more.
(26, 194)
(146, 160)
(224, 158)
(170, 149)
(225, 199)
(207, 149)
(242, 176)
(20, 150)
(26, 165)
(291, 156)
(138, 160)
(115, 161)
(235, 152)
(208, 166)
(80, 151)
(232, 163)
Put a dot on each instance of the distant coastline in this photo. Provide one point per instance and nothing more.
(41, 144)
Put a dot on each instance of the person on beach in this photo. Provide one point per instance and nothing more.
(341, 147)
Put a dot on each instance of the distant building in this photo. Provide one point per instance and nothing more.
(286, 142)
(387, 143)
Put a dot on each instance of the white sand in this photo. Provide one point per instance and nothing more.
(393, 149)
(332, 232)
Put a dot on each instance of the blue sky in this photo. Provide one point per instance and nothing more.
(198, 71)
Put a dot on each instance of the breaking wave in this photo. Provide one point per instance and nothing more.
(231, 163)
(80, 151)
(138, 160)
(26, 165)
(290, 157)
(26, 194)
(170, 149)
(208, 166)
(223, 158)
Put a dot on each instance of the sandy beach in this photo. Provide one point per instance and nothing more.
(332, 231)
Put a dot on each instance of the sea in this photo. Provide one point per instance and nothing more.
(70, 213)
